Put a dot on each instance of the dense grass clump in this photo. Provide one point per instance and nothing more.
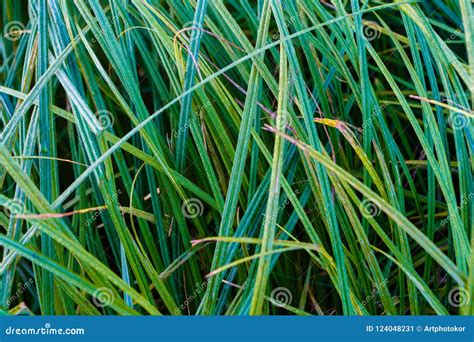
(237, 157)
